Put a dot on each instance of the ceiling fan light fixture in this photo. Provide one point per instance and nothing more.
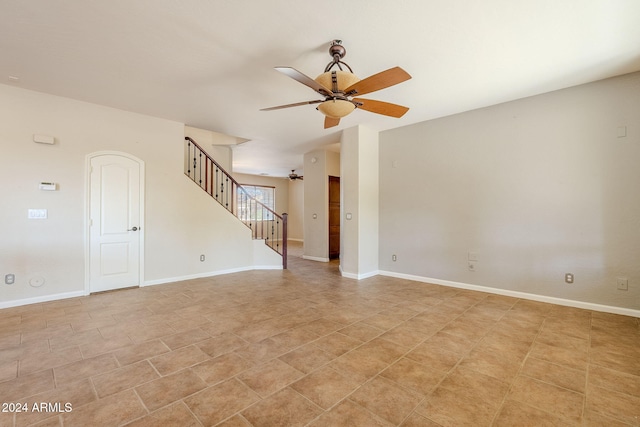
(344, 79)
(336, 108)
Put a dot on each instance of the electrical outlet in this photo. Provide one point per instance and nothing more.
(202, 258)
(9, 279)
(394, 257)
(568, 277)
(623, 284)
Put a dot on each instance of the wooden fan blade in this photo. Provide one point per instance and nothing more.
(330, 122)
(380, 107)
(297, 104)
(305, 80)
(384, 79)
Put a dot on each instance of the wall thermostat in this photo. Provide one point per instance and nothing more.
(48, 186)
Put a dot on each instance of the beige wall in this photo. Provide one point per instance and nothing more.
(359, 201)
(296, 210)
(537, 187)
(180, 221)
(316, 202)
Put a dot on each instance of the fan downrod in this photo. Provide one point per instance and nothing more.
(337, 52)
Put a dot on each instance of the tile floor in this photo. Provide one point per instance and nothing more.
(307, 347)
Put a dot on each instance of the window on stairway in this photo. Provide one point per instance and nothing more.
(248, 209)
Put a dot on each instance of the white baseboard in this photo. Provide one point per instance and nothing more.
(295, 240)
(358, 276)
(517, 294)
(208, 274)
(315, 258)
(44, 298)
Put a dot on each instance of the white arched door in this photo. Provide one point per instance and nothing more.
(115, 221)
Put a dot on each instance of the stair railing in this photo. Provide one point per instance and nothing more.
(265, 224)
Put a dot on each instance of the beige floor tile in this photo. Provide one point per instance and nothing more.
(560, 356)
(85, 368)
(417, 420)
(315, 343)
(294, 338)
(503, 366)
(383, 321)
(359, 365)
(325, 387)
(104, 346)
(285, 408)
(78, 338)
(451, 343)
(561, 376)
(230, 398)
(349, 413)
(594, 419)
(384, 350)
(361, 331)
(8, 370)
(614, 358)
(185, 338)
(519, 414)
(307, 358)
(563, 403)
(166, 390)
(221, 344)
(614, 380)
(179, 359)
(621, 407)
(434, 357)
(123, 378)
(144, 333)
(467, 383)
(138, 352)
(75, 394)
(9, 340)
(578, 328)
(221, 368)
(39, 361)
(270, 377)
(337, 343)
(261, 351)
(26, 385)
(497, 342)
(406, 336)
(412, 375)
(552, 338)
(174, 415)
(111, 411)
(235, 421)
(386, 399)
(55, 331)
(447, 408)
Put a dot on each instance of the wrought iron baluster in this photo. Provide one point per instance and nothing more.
(258, 217)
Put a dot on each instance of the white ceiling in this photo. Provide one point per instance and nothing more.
(209, 63)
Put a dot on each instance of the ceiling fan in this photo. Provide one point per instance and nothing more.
(293, 175)
(338, 88)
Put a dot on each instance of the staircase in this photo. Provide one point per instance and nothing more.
(264, 223)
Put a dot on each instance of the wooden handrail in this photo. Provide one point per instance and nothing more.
(228, 182)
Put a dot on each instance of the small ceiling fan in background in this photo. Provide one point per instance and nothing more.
(338, 88)
(293, 175)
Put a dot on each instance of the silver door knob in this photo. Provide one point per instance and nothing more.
(133, 229)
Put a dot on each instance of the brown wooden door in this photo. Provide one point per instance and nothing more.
(334, 217)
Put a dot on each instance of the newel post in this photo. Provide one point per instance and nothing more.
(284, 240)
